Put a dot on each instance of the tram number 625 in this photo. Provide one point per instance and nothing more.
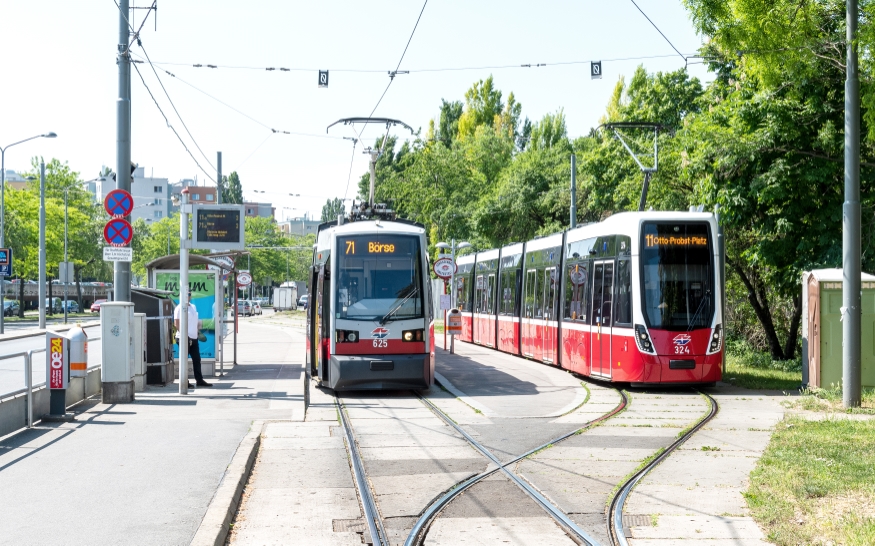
(381, 343)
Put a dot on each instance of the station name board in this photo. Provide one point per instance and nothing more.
(651, 241)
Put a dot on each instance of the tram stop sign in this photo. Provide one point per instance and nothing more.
(444, 268)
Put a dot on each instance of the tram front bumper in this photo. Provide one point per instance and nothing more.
(383, 372)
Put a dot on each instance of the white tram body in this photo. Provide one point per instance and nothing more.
(370, 323)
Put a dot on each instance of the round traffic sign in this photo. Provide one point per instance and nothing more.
(244, 279)
(118, 203)
(118, 232)
(444, 267)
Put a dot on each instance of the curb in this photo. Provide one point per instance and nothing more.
(214, 527)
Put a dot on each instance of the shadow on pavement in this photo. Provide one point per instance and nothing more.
(477, 379)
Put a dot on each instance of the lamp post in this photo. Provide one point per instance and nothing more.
(2, 214)
(453, 247)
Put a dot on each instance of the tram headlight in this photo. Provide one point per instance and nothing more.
(716, 342)
(642, 339)
(411, 335)
(347, 336)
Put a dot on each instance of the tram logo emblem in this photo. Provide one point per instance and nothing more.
(379, 333)
(682, 340)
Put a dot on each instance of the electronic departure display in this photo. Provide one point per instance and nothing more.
(218, 227)
(384, 246)
(674, 240)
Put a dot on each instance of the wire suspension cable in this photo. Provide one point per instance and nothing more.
(393, 73)
(167, 121)
(166, 94)
(659, 31)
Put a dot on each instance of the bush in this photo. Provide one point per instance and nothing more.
(744, 355)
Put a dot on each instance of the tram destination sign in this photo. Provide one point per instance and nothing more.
(218, 227)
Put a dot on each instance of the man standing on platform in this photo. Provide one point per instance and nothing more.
(194, 350)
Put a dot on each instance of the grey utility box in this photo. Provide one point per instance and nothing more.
(117, 342)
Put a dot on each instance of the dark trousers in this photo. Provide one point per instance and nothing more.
(194, 351)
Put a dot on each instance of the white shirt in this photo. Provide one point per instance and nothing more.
(192, 320)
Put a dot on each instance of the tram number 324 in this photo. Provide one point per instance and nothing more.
(681, 350)
(381, 343)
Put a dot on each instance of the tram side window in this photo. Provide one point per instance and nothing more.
(624, 292)
(530, 294)
(490, 295)
(539, 302)
(508, 291)
(576, 279)
(479, 297)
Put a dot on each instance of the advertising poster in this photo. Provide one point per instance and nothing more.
(203, 297)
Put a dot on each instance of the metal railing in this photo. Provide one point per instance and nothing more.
(28, 377)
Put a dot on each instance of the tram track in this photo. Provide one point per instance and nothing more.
(616, 529)
(369, 507)
(420, 528)
(430, 514)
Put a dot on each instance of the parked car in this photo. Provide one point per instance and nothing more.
(255, 307)
(244, 308)
(302, 301)
(10, 308)
(95, 307)
(72, 306)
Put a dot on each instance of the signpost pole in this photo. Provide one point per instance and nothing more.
(183, 293)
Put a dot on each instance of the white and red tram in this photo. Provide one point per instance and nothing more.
(369, 318)
(631, 299)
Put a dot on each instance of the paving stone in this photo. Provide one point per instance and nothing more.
(542, 531)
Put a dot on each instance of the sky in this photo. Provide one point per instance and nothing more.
(59, 74)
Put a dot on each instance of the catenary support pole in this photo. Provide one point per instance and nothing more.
(373, 183)
(573, 192)
(122, 270)
(66, 280)
(218, 178)
(851, 372)
(42, 245)
(183, 293)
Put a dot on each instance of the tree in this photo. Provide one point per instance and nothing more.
(332, 209)
(232, 190)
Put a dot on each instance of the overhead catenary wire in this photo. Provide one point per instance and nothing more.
(167, 121)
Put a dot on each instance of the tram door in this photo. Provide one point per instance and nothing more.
(602, 304)
(549, 337)
(323, 320)
(527, 341)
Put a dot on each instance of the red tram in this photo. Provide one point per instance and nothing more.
(634, 299)
(369, 318)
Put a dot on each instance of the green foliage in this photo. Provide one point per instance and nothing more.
(333, 208)
(232, 190)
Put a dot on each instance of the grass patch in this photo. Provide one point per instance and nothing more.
(752, 369)
(439, 326)
(830, 399)
(815, 483)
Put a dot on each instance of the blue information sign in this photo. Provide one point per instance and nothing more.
(6, 262)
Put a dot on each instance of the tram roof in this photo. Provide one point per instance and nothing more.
(375, 226)
(627, 223)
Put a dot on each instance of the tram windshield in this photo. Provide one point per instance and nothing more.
(379, 277)
(678, 275)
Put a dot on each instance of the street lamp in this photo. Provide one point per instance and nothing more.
(453, 247)
(2, 213)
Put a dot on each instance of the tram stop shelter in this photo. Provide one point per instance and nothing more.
(822, 328)
(208, 296)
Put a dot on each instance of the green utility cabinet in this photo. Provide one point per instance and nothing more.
(822, 328)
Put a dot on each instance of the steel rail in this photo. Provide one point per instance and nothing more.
(615, 511)
(552, 510)
(369, 507)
